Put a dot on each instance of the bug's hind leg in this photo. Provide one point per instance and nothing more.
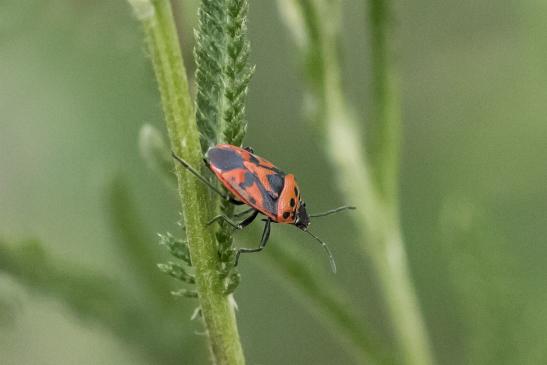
(235, 201)
(245, 212)
(263, 241)
(241, 225)
(187, 166)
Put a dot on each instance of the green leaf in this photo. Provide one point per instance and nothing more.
(209, 54)
(185, 293)
(232, 282)
(223, 71)
(177, 271)
(177, 247)
(238, 72)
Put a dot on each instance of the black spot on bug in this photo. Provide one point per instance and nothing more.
(249, 180)
(225, 159)
(276, 183)
(296, 191)
(292, 202)
(286, 215)
(267, 204)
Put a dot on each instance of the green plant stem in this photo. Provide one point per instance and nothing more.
(383, 150)
(368, 181)
(385, 130)
(216, 308)
(381, 237)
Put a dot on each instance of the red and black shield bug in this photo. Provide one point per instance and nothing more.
(258, 183)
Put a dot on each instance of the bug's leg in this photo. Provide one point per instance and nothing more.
(249, 149)
(244, 223)
(235, 201)
(236, 225)
(245, 212)
(263, 241)
(222, 217)
(198, 175)
(227, 219)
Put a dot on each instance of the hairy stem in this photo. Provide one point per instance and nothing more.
(216, 308)
(369, 180)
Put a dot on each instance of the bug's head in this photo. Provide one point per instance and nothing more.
(302, 220)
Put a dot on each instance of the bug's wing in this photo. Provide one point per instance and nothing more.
(271, 180)
(252, 179)
(247, 186)
(225, 159)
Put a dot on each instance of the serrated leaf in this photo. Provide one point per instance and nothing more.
(185, 293)
(232, 282)
(177, 271)
(177, 247)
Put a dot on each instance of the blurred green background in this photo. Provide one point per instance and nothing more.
(76, 87)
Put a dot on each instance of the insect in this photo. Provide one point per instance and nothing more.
(256, 182)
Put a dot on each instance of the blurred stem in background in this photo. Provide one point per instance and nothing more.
(384, 133)
(330, 302)
(216, 308)
(368, 179)
(97, 297)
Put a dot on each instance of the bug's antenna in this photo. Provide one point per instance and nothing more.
(198, 175)
(333, 211)
(324, 244)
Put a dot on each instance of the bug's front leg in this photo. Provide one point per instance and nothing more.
(263, 241)
(240, 225)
